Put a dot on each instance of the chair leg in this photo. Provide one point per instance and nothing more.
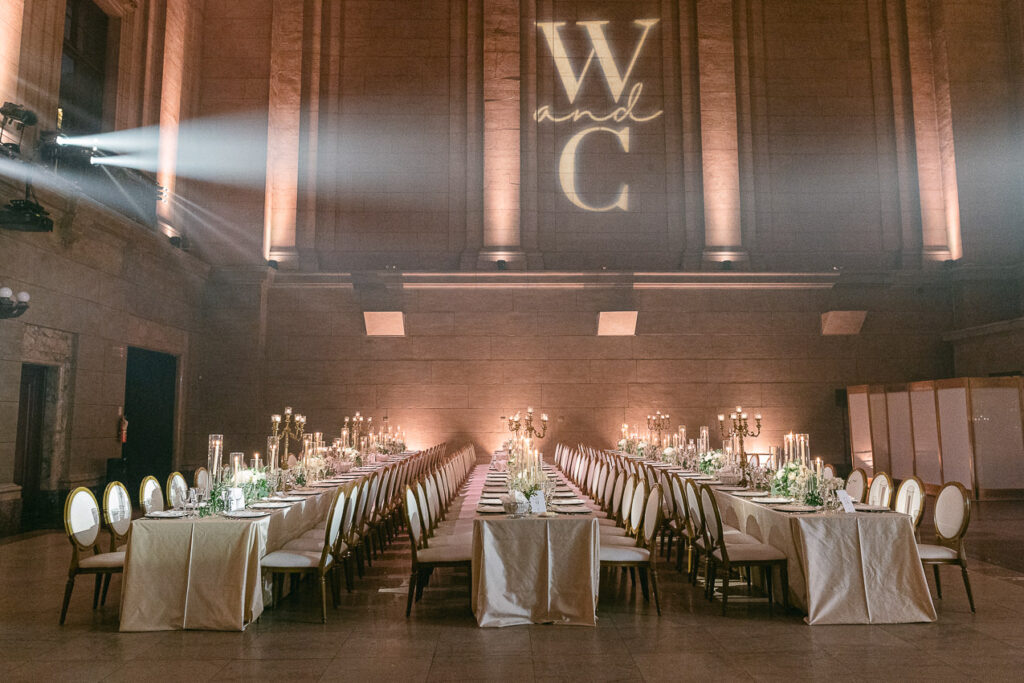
(771, 588)
(335, 585)
(323, 599)
(106, 585)
(725, 588)
(96, 592)
(348, 573)
(967, 586)
(643, 583)
(67, 597)
(654, 587)
(784, 581)
(938, 583)
(413, 580)
(709, 581)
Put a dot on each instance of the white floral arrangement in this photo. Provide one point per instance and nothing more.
(711, 462)
(527, 481)
(669, 454)
(642, 449)
(249, 476)
(392, 447)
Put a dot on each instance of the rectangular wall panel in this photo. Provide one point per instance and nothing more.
(879, 431)
(860, 428)
(957, 453)
(927, 458)
(998, 445)
(901, 437)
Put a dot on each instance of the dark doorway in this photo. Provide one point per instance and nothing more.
(149, 408)
(29, 447)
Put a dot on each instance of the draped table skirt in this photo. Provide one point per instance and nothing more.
(536, 570)
(859, 568)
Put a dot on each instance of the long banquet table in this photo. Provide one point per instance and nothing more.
(205, 573)
(534, 569)
(844, 568)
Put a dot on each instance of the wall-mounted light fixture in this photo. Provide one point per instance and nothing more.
(616, 323)
(12, 306)
(384, 323)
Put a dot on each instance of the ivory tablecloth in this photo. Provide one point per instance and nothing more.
(536, 570)
(205, 573)
(859, 568)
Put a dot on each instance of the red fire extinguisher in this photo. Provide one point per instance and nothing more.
(122, 427)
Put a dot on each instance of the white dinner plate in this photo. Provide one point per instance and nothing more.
(773, 500)
(568, 501)
(286, 499)
(490, 509)
(323, 485)
(245, 514)
(747, 494)
(270, 506)
(794, 507)
(166, 514)
(729, 487)
(304, 492)
(864, 507)
(489, 501)
(571, 509)
(564, 494)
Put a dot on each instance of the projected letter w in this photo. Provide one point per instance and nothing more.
(613, 76)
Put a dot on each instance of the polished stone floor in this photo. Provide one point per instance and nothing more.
(369, 638)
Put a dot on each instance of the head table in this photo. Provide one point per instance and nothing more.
(205, 573)
(533, 569)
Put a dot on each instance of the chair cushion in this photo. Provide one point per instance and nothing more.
(751, 552)
(612, 531)
(446, 553)
(615, 553)
(102, 561)
(310, 544)
(604, 521)
(292, 559)
(465, 538)
(936, 552)
(624, 541)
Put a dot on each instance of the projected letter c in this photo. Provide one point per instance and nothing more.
(567, 169)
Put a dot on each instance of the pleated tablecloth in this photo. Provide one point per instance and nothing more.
(844, 568)
(205, 573)
(536, 570)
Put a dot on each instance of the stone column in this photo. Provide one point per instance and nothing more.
(283, 123)
(501, 134)
(933, 132)
(719, 131)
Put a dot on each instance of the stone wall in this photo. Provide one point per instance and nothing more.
(98, 285)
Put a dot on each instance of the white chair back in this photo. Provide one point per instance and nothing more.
(350, 511)
(177, 490)
(855, 485)
(880, 491)
(627, 498)
(713, 522)
(202, 480)
(151, 498)
(117, 508)
(828, 471)
(636, 507)
(335, 521)
(413, 519)
(82, 517)
(910, 499)
(652, 519)
(952, 511)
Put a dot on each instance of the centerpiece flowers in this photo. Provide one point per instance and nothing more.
(253, 483)
(798, 481)
(710, 462)
(670, 455)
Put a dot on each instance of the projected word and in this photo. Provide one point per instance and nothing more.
(625, 108)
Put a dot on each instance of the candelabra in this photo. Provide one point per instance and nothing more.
(292, 426)
(355, 429)
(656, 424)
(521, 426)
(739, 430)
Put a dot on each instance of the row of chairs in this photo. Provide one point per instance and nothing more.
(436, 537)
(361, 521)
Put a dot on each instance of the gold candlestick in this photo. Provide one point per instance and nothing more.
(523, 427)
(656, 424)
(739, 430)
(290, 426)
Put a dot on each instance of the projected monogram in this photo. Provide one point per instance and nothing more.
(616, 80)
